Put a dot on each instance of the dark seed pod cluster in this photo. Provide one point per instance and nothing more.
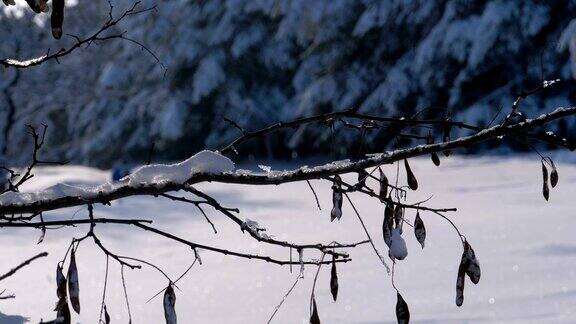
(469, 266)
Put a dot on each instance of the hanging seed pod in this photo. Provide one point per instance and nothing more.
(63, 315)
(336, 212)
(334, 279)
(383, 186)
(412, 182)
(42, 235)
(472, 266)
(387, 225)
(446, 134)
(73, 283)
(460, 285)
(435, 159)
(545, 190)
(419, 229)
(37, 6)
(337, 199)
(389, 211)
(314, 318)
(553, 174)
(399, 217)
(433, 155)
(402, 311)
(57, 18)
(60, 283)
(362, 176)
(169, 305)
(106, 315)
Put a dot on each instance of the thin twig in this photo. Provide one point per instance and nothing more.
(22, 265)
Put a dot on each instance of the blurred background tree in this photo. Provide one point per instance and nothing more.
(261, 61)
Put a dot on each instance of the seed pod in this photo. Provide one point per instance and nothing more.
(314, 318)
(362, 176)
(402, 311)
(399, 217)
(460, 285)
(545, 190)
(63, 315)
(106, 315)
(57, 18)
(169, 305)
(412, 182)
(73, 283)
(337, 198)
(433, 155)
(334, 280)
(419, 229)
(472, 266)
(388, 224)
(383, 186)
(37, 6)
(553, 174)
(435, 159)
(60, 283)
(446, 134)
(42, 235)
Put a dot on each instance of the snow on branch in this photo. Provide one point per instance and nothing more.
(209, 166)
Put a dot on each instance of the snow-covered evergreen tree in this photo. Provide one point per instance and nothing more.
(261, 61)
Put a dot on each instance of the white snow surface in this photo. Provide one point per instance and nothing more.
(526, 247)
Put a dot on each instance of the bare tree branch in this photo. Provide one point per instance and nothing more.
(22, 265)
(99, 35)
(322, 171)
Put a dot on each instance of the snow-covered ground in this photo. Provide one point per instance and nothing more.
(525, 245)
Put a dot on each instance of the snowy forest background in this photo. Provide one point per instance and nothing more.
(257, 62)
(261, 61)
